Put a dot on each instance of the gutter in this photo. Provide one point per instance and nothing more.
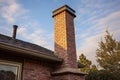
(29, 52)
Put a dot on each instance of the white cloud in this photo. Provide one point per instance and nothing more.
(21, 30)
(111, 21)
(94, 34)
(29, 29)
(11, 10)
(89, 47)
(112, 18)
(36, 35)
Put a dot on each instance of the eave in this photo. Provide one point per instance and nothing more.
(21, 51)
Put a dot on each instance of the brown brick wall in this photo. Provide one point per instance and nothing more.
(71, 40)
(36, 70)
(65, 38)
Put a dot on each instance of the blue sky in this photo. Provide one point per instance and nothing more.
(36, 25)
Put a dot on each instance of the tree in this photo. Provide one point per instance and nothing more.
(100, 75)
(87, 63)
(93, 68)
(108, 54)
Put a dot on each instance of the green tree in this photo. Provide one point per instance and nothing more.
(108, 54)
(100, 75)
(93, 68)
(87, 63)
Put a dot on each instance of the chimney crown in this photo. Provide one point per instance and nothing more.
(64, 8)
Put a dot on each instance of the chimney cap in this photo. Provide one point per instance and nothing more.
(64, 8)
(15, 26)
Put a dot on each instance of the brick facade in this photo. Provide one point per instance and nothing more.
(36, 70)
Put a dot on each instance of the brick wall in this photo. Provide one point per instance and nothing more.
(65, 38)
(71, 51)
(36, 70)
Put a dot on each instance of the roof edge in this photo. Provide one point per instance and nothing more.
(29, 52)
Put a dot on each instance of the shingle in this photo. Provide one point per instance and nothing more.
(20, 43)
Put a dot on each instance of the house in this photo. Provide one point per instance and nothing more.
(20, 60)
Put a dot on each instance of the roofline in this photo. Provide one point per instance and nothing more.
(29, 52)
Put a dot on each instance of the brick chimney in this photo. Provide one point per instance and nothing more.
(65, 45)
(65, 36)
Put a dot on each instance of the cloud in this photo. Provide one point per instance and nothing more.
(11, 10)
(89, 47)
(110, 18)
(21, 30)
(36, 35)
(29, 29)
(95, 33)
(90, 11)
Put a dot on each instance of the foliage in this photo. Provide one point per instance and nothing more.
(88, 64)
(108, 54)
(108, 57)
(93, 68)
(100, 75)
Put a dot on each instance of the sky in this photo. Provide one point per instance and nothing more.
(36, 25)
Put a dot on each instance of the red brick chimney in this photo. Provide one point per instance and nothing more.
(65, 35)
(65, 45)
